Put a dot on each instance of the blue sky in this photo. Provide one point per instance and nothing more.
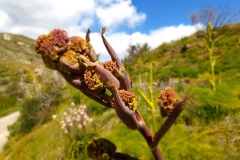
(128, 21)
(163, 13)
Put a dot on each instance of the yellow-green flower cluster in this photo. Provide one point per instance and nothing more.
(92, 80)
(167, 99)
(71, 56)
(129, 99)
(110, 65)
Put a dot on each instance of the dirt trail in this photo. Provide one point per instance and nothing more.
(4, 122)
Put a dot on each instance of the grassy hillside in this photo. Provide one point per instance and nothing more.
(207, 129)
(18, 60)
(188, 57)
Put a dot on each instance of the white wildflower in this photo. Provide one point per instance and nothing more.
(54, 116)
(75, 119)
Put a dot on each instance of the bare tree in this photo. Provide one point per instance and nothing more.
(135, 50)
(217, 17)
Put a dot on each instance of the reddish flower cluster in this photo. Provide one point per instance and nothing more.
(57, 44)
(166, 101)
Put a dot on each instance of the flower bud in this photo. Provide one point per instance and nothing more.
(166, 101)
(129, 99)
(92, 80)
(101, 149)
(110, 65)
(51, 47)
(78, 45)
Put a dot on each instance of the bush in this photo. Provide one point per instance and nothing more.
(8, 104)
(29, 117)
(206, 106)
(33, 111)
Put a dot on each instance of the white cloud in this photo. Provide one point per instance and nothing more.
(4, 19)
(71, 15)
(47, 15)
(120, 41)
(114, 13)
(35, 17)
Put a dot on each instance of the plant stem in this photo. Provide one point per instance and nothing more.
(168, 123)
(153, 141)
(149, 139)
(209, 41)
(212, 62)
(150, 78)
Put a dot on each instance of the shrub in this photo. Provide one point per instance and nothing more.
(29, 117)
(8, 104)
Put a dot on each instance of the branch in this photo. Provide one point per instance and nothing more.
(168, 123)
(149, 139)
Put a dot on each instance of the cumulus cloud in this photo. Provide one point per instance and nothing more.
(28, 15)
(72, 15)
(115, 13)
(35, 17)
(4, 19)
(121, 40)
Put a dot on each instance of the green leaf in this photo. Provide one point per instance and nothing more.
(146, 99)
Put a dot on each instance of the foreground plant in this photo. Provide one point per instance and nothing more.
(75, 59)
(74, 123)
(75, 120)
